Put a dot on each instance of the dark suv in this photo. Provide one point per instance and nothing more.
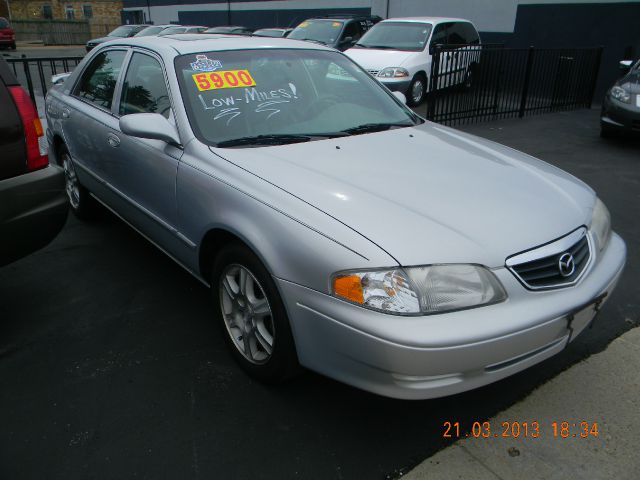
(340, 32)
(33, 202)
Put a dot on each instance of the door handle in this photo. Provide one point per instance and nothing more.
(114, 140)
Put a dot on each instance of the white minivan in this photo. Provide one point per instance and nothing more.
(398, 52)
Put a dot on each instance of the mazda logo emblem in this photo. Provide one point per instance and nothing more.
(566, 265)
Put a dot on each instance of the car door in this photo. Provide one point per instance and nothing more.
(440, 37)
(143, 171)
(86, 117)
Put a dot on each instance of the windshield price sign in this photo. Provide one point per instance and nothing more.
(223, 79)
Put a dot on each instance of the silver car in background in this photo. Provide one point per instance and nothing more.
(336, 228)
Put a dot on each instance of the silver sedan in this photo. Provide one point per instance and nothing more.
(337, 230)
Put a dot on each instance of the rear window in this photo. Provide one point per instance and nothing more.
(4, 23)
(323, 31)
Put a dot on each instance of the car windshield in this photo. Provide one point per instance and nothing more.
(268, 33)
(122, 32)
(172, 30)
(275, 96)
(222, 30)
(410, 36)
(147, 32)
(323, 31)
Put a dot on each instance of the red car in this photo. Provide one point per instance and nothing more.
(7, 35)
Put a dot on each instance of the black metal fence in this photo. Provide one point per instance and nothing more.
(475, 83)
(34, 74)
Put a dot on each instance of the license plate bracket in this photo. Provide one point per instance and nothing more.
(583, 316)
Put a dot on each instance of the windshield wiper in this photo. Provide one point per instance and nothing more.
(361, 45)
(274, 139)
(375, 127)
(380, 47)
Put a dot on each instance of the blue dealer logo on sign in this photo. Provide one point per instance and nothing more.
(204, 64)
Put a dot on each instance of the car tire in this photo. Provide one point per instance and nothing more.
(469, 77)
(417, 90)
(13, 46)
(82, 204)
(253, 318)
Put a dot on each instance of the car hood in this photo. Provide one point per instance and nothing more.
(428, 194)
(372, 59)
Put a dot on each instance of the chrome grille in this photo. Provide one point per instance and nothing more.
(539, 268)
(374, 72)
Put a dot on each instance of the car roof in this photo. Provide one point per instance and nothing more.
(186, 43)
(433, 20)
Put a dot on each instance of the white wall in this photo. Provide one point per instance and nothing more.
(487, 15)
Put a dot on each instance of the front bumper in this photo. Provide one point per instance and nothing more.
(433, 356)
(621, 116)
(395, 85)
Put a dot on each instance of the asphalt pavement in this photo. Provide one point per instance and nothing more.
(110, 365)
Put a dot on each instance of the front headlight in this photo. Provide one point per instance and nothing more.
(420, 290)
(393, 72)
(621, 94)
(600, 224)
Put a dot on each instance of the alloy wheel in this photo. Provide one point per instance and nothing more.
(72, 186)
(247, 314)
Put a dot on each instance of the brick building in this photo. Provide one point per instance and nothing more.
(102, 15)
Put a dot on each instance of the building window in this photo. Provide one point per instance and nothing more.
(47, 13)
(87, 11)
(70, 12)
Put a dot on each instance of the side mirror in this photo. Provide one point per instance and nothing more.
(400, 96)
(432, 47)
(625, 65)
(59, 78)
(149, 125)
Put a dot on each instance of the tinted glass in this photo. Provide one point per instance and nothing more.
(410, 36)
(144, 89)
(462, 33)
(352, 30)
(4, 23)
(122, 32)
(323, 31)
(99, 79)
(245, 93)
(440, 34)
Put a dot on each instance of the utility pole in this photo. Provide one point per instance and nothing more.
(8, 9)
(228, 12)
(149, 11)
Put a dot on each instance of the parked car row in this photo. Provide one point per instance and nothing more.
(621, 104)
(263, 168)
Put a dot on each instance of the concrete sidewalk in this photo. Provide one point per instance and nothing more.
(604, 388)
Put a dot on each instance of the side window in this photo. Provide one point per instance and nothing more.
(468, 33)
(99, 79)
(352, 30)
(439, 36)
(144, 89)
(456, 34)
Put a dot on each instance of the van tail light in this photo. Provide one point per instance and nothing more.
(34, 134)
